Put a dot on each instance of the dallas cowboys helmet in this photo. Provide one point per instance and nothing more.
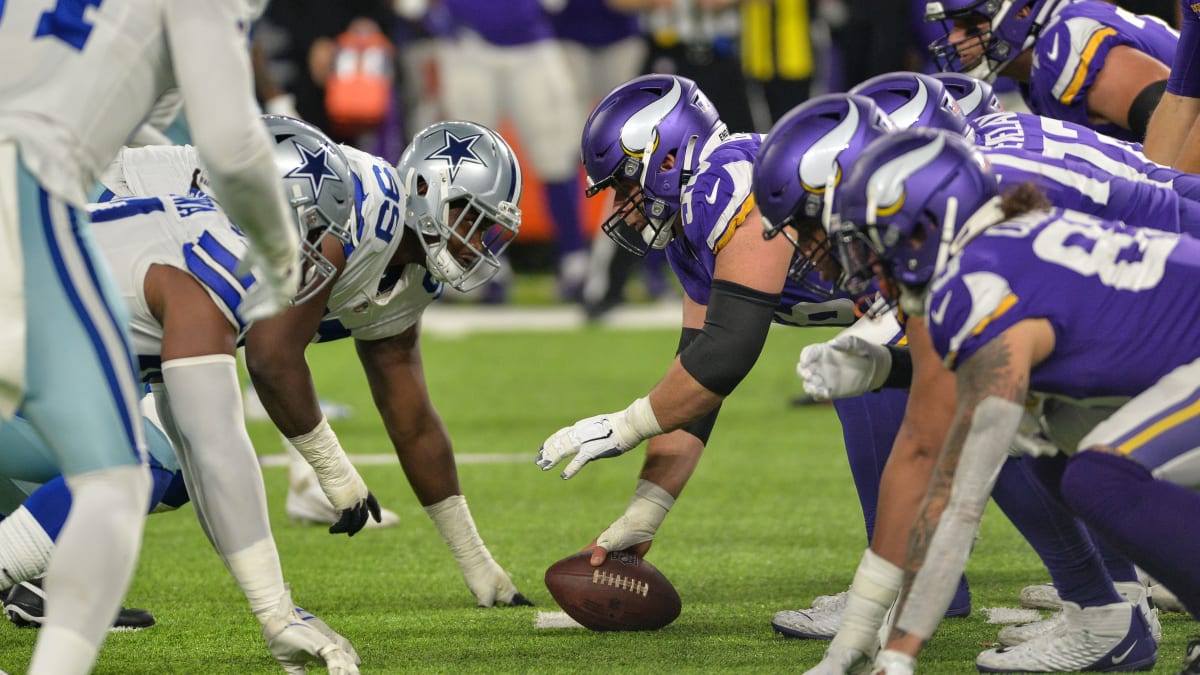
(915, 100)
(975, 97)
(907, 195)
(463, 165)
(319, 187)
(983, 52)
(798, 166)
(651, 131)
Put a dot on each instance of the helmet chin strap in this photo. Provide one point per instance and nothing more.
(446, 267)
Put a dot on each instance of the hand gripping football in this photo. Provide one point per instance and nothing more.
(624, 593)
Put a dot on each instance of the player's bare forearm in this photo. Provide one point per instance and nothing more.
(999, 371)
(397, 381)
(284, 384)
(670, 460)
(1168, 137)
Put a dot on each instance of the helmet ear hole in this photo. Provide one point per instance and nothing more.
(422, 186)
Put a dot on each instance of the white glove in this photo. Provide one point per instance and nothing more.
(641, 519)
(891, 662)
(845, 366)
(492, 586)
(275, 284)
(295, 642)
(1029, 439)
(599, 437)
(841, 661)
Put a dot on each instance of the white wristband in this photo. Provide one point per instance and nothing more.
(639, 417)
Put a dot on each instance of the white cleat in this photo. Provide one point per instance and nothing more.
(308, 505)
(819, 622)
(1133, 592)
(1108, 638)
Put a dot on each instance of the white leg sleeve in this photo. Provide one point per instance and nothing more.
(222, 472)
(90, 570)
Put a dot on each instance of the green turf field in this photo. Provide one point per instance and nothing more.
(769, 521)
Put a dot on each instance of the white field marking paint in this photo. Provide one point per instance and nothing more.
(450, 321)
(1012, 615)
(387, 458)
(555, 620)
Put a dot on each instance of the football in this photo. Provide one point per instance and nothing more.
(624, 593)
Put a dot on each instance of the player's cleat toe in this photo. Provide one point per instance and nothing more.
(1191, 658)
(1110, 638)
(1011, 636)
(815, 623)
(25, 606)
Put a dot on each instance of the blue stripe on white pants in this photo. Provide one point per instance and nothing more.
(81, 389)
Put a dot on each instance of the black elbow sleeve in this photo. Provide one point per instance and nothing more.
(735, 329)
(1143, 107)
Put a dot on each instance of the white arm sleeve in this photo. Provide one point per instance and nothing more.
(984, 451)
(212, 67)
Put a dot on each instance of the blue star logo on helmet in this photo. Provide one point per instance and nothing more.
(457, 151)
(314, 166)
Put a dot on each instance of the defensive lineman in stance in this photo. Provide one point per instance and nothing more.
(77, 81)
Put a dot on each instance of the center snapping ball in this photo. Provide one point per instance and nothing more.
(624, 593)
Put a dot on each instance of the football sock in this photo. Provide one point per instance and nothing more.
(90, 570)
(869, 426)
(1153, 522)
(1059, 539)
(25, 548)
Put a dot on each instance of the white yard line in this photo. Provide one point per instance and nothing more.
(452, 320)
(386, 458)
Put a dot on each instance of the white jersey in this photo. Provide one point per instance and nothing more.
(366, 301)
(79, 78)
(188, 232)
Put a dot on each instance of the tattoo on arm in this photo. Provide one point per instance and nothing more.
(994, 371)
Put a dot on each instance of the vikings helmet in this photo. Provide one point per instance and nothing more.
(915, 100)
(1010, 32)
(907, 195)
(461, 164)
(651, 131)
(319, 188)
(797, 168)
(975, 97)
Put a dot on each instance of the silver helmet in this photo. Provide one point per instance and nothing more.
(463, 184)
(319, 187)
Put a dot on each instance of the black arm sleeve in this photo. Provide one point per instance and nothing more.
(735, 329)
(900, 376)
(701, 428)
(1143, 107)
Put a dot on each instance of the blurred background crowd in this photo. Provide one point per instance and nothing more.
(373, 72)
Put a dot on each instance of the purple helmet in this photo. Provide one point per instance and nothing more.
(975, 97)
(983, 53)
(797, 164)
(907, 192)
(915, 100)
(649, 130)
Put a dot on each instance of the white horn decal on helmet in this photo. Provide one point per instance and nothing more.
(817, 164)
(907, 115)
(885, 189)
(636, 132)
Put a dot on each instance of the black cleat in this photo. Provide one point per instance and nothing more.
(25, 607)
(1191, 658)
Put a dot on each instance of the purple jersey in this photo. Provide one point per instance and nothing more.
(1185, 70)
(508, 23)
(1057, 140)
(1071, 51)
(1099, 283)
(714, 204)
(593, 23)
(1072, 184)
